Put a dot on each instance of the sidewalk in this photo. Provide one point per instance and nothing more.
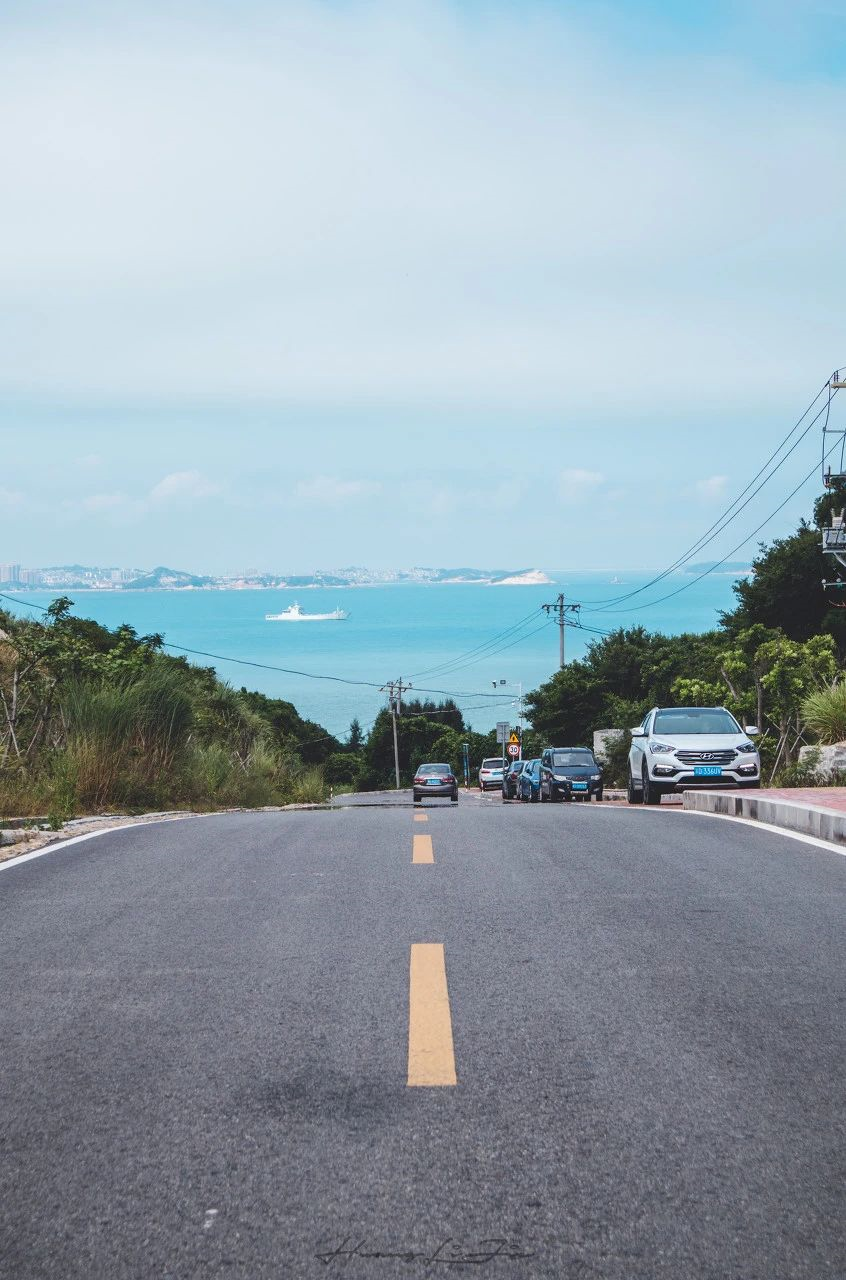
(810, 811)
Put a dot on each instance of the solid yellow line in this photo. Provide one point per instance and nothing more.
(431, 1058)
(421, 817)
(421, 849)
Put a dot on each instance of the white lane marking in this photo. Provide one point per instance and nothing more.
(769, 826)
(208, 1221)
(827, 845)
(90, 835)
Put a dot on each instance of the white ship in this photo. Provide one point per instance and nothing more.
(295, 614)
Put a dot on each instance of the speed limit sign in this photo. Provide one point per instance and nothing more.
(513, 749)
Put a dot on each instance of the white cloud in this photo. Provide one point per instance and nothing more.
(328, 491)
(184, 486)
(105, 502)
(11, 498)
(712, 488)
(576, 485)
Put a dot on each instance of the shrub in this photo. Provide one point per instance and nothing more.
(309, 787)
(824, 712)
(615, 759)
(342, 767)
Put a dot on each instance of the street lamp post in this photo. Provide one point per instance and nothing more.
(514, 684)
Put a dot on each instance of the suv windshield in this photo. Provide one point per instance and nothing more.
(695, 720)
(492, 764)
(563, 758)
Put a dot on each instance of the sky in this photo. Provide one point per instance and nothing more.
(287, 286)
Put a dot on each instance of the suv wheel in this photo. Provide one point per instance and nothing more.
(651, 792)
(633, 795)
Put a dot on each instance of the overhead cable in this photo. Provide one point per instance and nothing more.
(730, 514)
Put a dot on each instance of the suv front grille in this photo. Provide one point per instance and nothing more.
(707, 757)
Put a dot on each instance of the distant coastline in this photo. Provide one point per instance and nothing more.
(98, 579)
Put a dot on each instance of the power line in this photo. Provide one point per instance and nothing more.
(492, 654)
(730, 514)
(27, 604)
(264, 666)
(459, 657)
(712, 568)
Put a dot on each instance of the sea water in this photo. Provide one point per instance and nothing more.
(426, 634)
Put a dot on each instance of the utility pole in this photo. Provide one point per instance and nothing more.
(560, 609)
(395, 689)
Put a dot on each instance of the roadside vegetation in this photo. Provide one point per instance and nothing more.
(776, 661)
(94, 720)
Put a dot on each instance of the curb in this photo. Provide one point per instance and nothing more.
(804, 819)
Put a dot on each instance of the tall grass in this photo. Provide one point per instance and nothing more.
(142, 742)
(124, 737)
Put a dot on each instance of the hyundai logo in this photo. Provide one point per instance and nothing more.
(707, 755)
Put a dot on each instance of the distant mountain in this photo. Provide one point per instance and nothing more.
(316, 580)
(162, 578)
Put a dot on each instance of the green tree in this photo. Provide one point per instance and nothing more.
(785, 591)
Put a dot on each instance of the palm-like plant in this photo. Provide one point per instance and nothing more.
(824, 711)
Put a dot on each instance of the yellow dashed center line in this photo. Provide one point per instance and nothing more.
(421, 849)
(431, 1057)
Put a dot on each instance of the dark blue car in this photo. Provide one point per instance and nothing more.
(530, 782)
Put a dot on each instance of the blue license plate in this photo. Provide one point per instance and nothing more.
(707, 771)
(436, 782)
(580, 786)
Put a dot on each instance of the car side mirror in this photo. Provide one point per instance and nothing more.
(752, 730)
(638, 731)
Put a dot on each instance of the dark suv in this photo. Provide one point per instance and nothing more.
(511, 780)
(569, 772)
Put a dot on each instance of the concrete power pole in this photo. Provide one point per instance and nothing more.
(395, 689)
(560, 609)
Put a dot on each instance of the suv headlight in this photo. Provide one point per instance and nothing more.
(746, 747)
(595, 777)
(660, 748)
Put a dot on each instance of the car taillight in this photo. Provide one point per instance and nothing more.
(449, 778)
(419, 781)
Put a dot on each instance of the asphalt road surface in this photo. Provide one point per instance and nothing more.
(538, 1041)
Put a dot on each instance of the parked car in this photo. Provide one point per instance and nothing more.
(511, 779)
(435, 780)
(677, 747)
(530, 781)
(490, 773)
(568, 773)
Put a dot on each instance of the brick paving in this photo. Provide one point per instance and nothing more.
(821, 797)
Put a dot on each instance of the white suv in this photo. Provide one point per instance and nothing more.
(690, 747)
(490, 773)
